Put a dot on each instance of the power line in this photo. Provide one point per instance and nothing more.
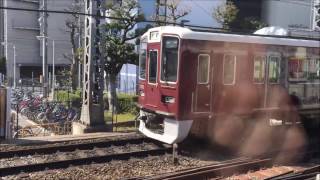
(101, 16)
(204, 28)
(205, 10)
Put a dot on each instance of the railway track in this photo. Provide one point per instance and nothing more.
(237, 166)
(47, 149)
(308, 173)
(58, 157)
(222, 169)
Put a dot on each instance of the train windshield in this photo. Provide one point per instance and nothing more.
(169, 63)
(142, 59)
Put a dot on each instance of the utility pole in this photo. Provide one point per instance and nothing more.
(53, 69)
(92, 117)
(14, 67)
(44, 27)
(79, 46)
(14, 64)
(165, 12)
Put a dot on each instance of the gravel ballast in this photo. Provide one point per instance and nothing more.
(152, 165)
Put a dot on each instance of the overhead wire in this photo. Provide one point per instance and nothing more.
(205, 28)
(102, 16)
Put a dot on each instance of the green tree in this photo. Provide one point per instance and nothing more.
(117, 41)
(225, 14)
(251, 24)
(3, 69)
(73, 26)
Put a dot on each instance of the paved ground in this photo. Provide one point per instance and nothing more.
(23, 121)
(63, 138)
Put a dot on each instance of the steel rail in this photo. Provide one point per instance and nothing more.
(217, 165)
(73, 147)
(218, 171)
(279, 175)
(303, 174)
(81, 161)
(192, 170)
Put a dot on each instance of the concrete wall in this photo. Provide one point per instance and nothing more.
(287, 13)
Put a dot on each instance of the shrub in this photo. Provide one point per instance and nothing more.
(126, 103)
(74, 98)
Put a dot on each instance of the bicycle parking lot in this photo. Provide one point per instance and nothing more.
(34, 115)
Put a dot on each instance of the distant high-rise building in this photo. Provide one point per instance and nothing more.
(21, 28)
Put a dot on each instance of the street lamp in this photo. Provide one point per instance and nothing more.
(14, 61)
(53, 62)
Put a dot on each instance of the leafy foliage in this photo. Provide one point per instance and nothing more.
(252, 23)
(126, 103)
(225, 14)
(73, 27)
(74, 99)
(3, 69)
(115, 47)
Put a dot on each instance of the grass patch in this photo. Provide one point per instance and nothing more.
(124, 129)
(123, 117)
(120, 118)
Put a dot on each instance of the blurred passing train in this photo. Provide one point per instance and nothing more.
(190, 80)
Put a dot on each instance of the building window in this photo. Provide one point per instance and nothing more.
(259, 69)
(274, 69)
(203, 68)
(169, 63)
(153, 66)
(298, 68)
(229, 69)
(314, 69)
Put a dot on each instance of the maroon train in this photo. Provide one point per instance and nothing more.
(190, 79)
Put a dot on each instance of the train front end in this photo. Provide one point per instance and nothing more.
(159, 60)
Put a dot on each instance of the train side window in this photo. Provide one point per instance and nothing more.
(142, 63)
(203, 68)
(169, 62)
(229, 69)
(259, 69)
(153, 66)
(274, 69)
(142, 58)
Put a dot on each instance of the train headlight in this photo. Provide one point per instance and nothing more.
(141, 93)
(168, 99)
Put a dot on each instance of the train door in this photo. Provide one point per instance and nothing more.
(259, 77)
(203, 91)
(152, 91)
(272, 80)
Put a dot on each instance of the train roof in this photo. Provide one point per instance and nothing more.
(154, 35)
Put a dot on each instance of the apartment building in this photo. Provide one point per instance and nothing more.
(21, 28)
